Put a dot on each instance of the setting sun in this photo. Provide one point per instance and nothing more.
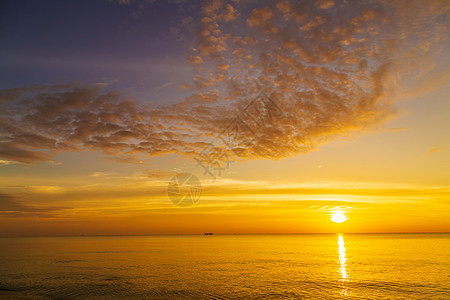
(338, 217)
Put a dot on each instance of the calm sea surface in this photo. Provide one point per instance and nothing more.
(364, 266)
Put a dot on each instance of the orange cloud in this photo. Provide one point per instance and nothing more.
(194, 59)
(260, 17)
(281, 81)
(437, 149)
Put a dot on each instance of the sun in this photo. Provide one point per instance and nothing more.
(338, 217)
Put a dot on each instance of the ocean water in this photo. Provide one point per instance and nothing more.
(309, 266)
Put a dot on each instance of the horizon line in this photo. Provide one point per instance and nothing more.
(173, 234)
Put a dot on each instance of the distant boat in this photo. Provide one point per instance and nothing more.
(208, 233)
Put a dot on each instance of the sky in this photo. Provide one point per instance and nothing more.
(184, 117)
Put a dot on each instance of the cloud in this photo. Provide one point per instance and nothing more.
(115, 192)
(325, 4)
(165, 85)
(10, 207)
(428, 83)
(314, 71)
(103, 174)
(260, 17)
(194, 59)
(7, 162)
(159, 174)
(46, 189)
(437, 149)
(15, 153)
(47, 120)
(270, 80)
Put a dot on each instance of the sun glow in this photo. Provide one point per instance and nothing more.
(338, 217)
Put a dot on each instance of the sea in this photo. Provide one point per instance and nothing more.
(260, 266)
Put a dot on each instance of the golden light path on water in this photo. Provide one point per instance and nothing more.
(342, 260)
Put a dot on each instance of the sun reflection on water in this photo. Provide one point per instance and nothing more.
(342, 260)
(342, 257)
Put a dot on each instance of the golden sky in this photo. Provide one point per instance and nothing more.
(287, 112)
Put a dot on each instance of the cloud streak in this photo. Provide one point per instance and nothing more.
(10, 207)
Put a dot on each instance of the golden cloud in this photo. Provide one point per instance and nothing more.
(270, 80)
